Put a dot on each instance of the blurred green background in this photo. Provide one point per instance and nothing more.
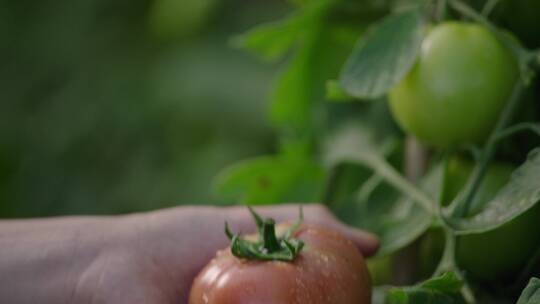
(121, 106)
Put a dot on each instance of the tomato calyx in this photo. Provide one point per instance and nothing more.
(268, 247)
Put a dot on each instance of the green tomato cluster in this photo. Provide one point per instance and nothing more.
(456, 90)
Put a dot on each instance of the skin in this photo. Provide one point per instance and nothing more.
(139, 258)
(458, 87)
(328, 270)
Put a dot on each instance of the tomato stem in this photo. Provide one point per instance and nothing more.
(269, 246)
(487, 153)
(440, 10)
(488, 7)
(448, 263)
(270, 241)
(525, 59)
(390, 174)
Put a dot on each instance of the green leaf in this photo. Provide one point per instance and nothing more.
(378, 294)
(299, 91)
(384, 56)
(270, 41)
(300, 88)
(271, 179)
(531, 293)
(520, 194)
(398, 229)
(441, 290)
(291, 102)
(334, 92)
(402, 221)
(355, 143)
(448, 282)
(273, 40)
(397, 220)
(361, 138)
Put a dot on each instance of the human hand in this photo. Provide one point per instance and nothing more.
(150, 257)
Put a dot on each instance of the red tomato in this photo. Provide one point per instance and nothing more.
(328, 270)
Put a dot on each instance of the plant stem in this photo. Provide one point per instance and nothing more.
(367, 188)
(524, 126)
(468, 294)
(489, 150)
(448, 263)
(440, 10)
(416, 160)
(270, 242)
(399, 182)
(526, 272)
(488, 7)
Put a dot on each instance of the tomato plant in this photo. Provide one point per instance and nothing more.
(306, 264)
(503, 252)
(458, 87)
(508, 247)
(425, 83)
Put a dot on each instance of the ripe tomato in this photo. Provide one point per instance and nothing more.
(458, 87)
(498, 253)
(329, 269)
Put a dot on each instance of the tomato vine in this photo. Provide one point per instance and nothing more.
(356, 142)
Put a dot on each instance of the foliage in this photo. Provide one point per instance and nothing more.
(384, 56)
(531, 294)
(120, 106)
(362, 153)
(443, 289)
(125, 106)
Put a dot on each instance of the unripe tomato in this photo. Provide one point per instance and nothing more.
(458, 87)
(380, 269)
(328, 270)
(498, 253)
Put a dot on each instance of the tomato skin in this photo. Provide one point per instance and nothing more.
(457, 88)
(499, 253)
(329, 270)
(380, 269)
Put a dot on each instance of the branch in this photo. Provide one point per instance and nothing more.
(524, 126)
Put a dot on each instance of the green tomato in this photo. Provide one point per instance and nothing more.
(380, 269)
(499, 253)
(457, 88)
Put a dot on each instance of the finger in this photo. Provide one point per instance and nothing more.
(366, 242)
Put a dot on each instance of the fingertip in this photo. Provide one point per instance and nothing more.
(367, 242)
